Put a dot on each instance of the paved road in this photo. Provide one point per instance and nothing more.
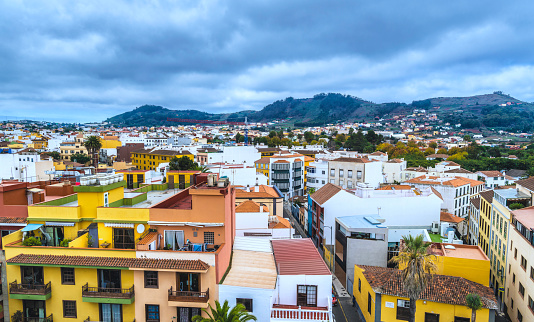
(344, 311)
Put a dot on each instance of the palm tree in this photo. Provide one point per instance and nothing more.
(474, 303)
(93, 145)
(223, 314)
(417, 266)
(201, 168)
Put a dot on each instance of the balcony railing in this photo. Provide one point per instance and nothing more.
(106, 292)
(187, 296)
(30, 289)
(300, 314)
(19, 317)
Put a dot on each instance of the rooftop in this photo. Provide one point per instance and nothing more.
(459, 251)
(525, 216)
(361, 221)
(440, 288)
(298, 257)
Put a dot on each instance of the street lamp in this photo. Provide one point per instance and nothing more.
(333, 267)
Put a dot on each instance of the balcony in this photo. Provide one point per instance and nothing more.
(39, 292)
(108, 295)
(298, 313)
(188, 298)
(19, 317)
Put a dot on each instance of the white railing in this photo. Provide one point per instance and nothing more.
(300, 314)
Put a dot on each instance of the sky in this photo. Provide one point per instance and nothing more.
(82, 61)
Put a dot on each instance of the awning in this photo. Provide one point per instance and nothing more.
(118, 225)
(59, 224)
(32, 227)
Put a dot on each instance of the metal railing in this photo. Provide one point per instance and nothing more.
(107, 292)
(19, 317)
(32, 289)
(189, 296)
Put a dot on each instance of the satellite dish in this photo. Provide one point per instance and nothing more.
(140, 228)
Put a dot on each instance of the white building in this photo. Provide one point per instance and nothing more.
(348, 172)
(415, 209)
(493, 179)
(287, 280)
(456, 192)
(239, 174)
(254, 220)
(25, 166)
(234, 155)
(286, 172)
(393, 170)
(474, 219)
(317, 174)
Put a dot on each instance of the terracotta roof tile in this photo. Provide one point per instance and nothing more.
(355, 160)
(440, 288)
(447, 217)
(476, 202)
(149, 263)
(526, 183)
(487, 195)
(491, 174)
(250, 206)
(325, 193)
(13, 220)
(263, 192)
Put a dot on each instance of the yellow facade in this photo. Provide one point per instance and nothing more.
(500, 224)
(151, 161)
(388, 304)
(110, 143)
(180, 179)
(475, 270)
(484, 225)
(263, 168)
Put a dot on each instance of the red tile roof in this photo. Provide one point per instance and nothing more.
(13, 220)
(250, 206)
(440, 288)
(325, 193)
(149, 263)
(298, 257)
(447, 217)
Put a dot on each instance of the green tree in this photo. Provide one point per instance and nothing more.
(433, 145)
(272, 134)
(223, 314)
(467, 138)
(442, 151)
(356, 142)
(308, 136)
(93, 146)
(417, 266)
(183, 163)
(54, 154)
(201, 168)
(80, 158)
(474, 303)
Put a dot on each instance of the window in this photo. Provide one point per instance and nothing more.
(531, 304)
(349, 174)
(69, 309)
(332, 181)
(521, 290)
(532, 272)
(431, 317)
(460, 319)
(307, 295)
(349, 184)
(324, 172)
(358, 175)
(519, 316)
(369, 303)
(403, 310)
(359, 285)
(67, 275)
(246, 302)
(341, 172)
(515, 253)
(332, 172)
(123, 238)
(152, 312)
(513, 278)
(523, 263)
(151, 279)
(209, 237)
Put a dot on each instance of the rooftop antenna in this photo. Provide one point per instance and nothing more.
(246, 131)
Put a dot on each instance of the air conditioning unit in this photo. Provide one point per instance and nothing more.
(435, 227)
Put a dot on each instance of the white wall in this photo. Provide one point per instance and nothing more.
(286, 290)
(261, 299)
(245, 176)
(247, 220)
(235, 155)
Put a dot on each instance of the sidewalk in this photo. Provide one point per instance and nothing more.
(340, 290)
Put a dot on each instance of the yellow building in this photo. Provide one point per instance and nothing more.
(268, 152)
(467, 261)
(97, 254)
(39, 144)
(150, 159)
(380, 297)
(263, 166)
(67, 149)
(181, 179)
(484, 225)
(110, 142)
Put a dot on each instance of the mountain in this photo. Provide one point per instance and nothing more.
(474, 111)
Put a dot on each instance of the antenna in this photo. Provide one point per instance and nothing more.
(246, 131)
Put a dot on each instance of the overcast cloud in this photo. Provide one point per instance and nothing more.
(89, 60)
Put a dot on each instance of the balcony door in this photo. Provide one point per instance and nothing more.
(34, 309)
(123, 238)
(307, 295)
(174, 239)
(188, 282)
(109, 278)
(110, 312)
(54, 235)
(32, 275)
(186, 314)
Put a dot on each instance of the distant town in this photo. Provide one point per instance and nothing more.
(285, 223)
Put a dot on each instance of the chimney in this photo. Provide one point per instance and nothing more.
(256, 188)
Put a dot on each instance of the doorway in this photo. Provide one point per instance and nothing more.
(181, 181)
(109, 278)
(188, 282)
(34, 309)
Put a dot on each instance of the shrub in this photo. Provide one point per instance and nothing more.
(31, 241)
(65, 242)
(516, 205)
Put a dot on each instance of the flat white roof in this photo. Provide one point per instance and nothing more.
(253, 244)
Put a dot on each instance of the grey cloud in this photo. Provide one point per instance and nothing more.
(100, 58)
